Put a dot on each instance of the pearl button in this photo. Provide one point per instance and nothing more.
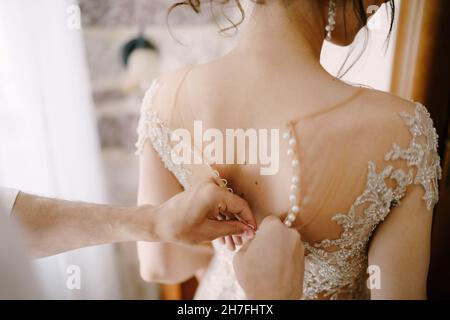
(291, 217)
(295, 163)
(294, 188)
(290, 152)
(288, 223)
(295, 209)
(286, 135)
(292, 142)
(295, 180)
(292, 198)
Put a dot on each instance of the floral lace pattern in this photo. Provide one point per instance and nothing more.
(341, 273)
(334, 269)
(152, 128)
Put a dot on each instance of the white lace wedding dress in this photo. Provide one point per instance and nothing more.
(334, 268)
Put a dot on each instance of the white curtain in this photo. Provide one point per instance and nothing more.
(48, 137)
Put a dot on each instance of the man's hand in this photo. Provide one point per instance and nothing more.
(192, 216)
(271, 266)
(189, 217)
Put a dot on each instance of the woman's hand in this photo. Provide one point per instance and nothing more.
(192, 216)
(271, 266)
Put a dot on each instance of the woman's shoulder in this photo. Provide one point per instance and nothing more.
(387, 128)
(408, 121)
(389, 115)
(191, 91)
(406, 131)
(385, 103)
(161, 96)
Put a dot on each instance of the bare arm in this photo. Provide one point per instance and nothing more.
(53, 226)
(401, 250)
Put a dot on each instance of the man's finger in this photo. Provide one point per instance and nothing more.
(228, 228)
(238, 206)
(237, 240)
(230, 243)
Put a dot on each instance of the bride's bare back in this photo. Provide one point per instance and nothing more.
(352, 177)
(337, 136)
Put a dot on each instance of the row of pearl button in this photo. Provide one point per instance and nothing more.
(294, 209)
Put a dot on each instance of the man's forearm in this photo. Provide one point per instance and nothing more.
(53, 226)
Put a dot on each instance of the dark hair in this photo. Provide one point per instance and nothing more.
(361, 13)
(358, 7)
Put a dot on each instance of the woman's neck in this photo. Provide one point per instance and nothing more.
(280, 33)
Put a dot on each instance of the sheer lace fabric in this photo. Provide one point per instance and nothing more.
(334, 268)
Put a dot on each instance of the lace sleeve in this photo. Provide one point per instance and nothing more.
(146, 117)
(152, 129)
(336, 268)
(421, 154)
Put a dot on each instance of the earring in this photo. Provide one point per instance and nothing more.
(331, 19)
